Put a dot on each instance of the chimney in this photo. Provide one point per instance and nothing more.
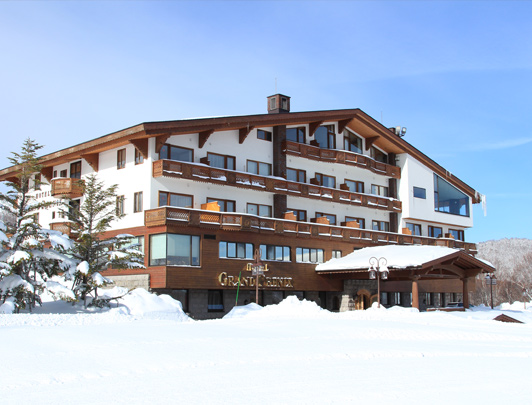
(278, 104)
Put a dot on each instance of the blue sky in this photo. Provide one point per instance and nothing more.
(457, 74)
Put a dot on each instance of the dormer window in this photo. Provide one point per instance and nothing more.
(378, 155)
(273, 103)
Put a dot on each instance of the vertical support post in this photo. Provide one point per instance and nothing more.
(415, 292)
(465, 292)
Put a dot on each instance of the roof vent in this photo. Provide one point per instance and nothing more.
(278, 103)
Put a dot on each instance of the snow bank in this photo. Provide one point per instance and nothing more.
(242, 311)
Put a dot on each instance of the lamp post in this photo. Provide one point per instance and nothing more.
(491, 280)
(257, 269)
(378, 270)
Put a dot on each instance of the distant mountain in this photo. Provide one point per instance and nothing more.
(507, 255)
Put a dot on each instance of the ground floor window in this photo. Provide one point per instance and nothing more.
(215, 302)
(235, 250)
(169, 249)
(336, 254)
(272, 252)
(384, 298)
(397, 298)
(307, 255)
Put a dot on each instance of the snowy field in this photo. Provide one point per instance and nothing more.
(148, 351)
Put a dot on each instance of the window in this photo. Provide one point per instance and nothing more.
(169, 249)
(259, 209)
(414, 228)
(336, 254)
(260, 168)
(361, 221)
(75, 170)
(137, 202)
(55, 174)
(330, 217)
(301, 215)
(175, 200)
(355, 186)
(306, 255)
(379, 190)
(139, 159)
(296, 134)
(138, 242)
(235, 250)
(435, 231)
(273, 103)
(120, 159)
(37, 182)
(352, 143)
(397, 298)
(176, 153)
(429, 299)
(325, 181)
(273, 252)
(215, 301)
(264, 135)
(384, 298)
(296, 175)
(449, 199)
(378, 155)
(63, 173)
(420, 193)
(326, 137)
(382, 226)
(442, 300)
(221, 161)
(120, 205)
(225, 205)
(457, 234)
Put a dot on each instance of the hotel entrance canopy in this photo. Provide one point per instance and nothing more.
(410, 263)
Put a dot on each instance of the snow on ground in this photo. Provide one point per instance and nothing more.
(147, 351)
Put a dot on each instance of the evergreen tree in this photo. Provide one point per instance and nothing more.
(25, 262)
(92, 251)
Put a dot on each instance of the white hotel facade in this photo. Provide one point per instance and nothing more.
(203, 194)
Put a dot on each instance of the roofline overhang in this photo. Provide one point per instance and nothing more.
(228, 123)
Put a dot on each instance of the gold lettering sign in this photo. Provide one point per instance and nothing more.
(249, 281)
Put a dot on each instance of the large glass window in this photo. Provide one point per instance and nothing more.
(296, 134)
(379, 190)
(449, 199)
(169, 249)
(175, 200)
(176, 153)
(352, 143)
(326, 137)
(75, 168)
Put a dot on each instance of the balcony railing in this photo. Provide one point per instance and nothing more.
(342, 156)
(250, 223)
(191, 171)
(71, 188)
(63, 227)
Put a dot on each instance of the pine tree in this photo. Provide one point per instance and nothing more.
(25, 261)
(91, 251)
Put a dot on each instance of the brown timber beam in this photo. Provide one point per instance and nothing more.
(313, 126)
(141, 145)
(47, 172)
(92, 159)
(160, 141)
(370, 141)
(342, 124)
(243, 133)
(203, 136)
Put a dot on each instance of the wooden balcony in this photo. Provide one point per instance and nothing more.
(63, 227)
(65, 187)
(343, 157)
(196, 172)
(172, 216)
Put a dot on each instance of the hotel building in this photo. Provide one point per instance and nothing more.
(202, 195)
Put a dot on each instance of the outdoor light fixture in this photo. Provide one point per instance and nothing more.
(378, 270)
(491, 280)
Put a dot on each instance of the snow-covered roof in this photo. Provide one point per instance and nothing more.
(397, 257)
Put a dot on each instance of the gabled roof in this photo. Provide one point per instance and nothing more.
(138, 135)
(404, 262)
